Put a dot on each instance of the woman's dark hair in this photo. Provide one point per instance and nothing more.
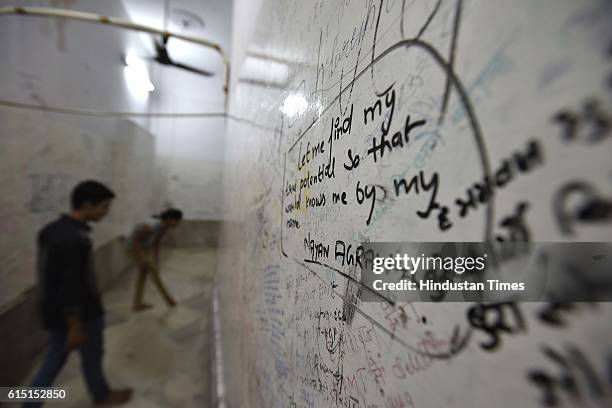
(89, 191)
(171, 214)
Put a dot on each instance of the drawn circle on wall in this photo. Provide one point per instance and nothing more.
(457, 336)
(456, 85)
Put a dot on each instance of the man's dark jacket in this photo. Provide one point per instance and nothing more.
(66, 278)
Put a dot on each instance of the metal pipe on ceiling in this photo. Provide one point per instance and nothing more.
(121, 23)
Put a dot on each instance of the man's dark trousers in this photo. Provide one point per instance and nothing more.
(91, 360)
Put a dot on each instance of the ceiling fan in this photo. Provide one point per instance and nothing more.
(161, 47)
(163, 58)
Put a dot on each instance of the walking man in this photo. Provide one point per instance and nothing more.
(70, 303)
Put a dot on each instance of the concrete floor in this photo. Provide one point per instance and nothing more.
(165, 354)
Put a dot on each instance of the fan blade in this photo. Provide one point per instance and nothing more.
(193, 70)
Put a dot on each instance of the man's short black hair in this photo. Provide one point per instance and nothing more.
(90, 191)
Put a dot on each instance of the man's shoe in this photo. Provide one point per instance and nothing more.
(116, 397)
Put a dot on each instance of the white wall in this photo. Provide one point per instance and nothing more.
(191, 152)
(149, 162)
(521, 63)
(72, 64)
(67, 63)
(190, 148)
(43, 157)
(75, 65)
(244, 19)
